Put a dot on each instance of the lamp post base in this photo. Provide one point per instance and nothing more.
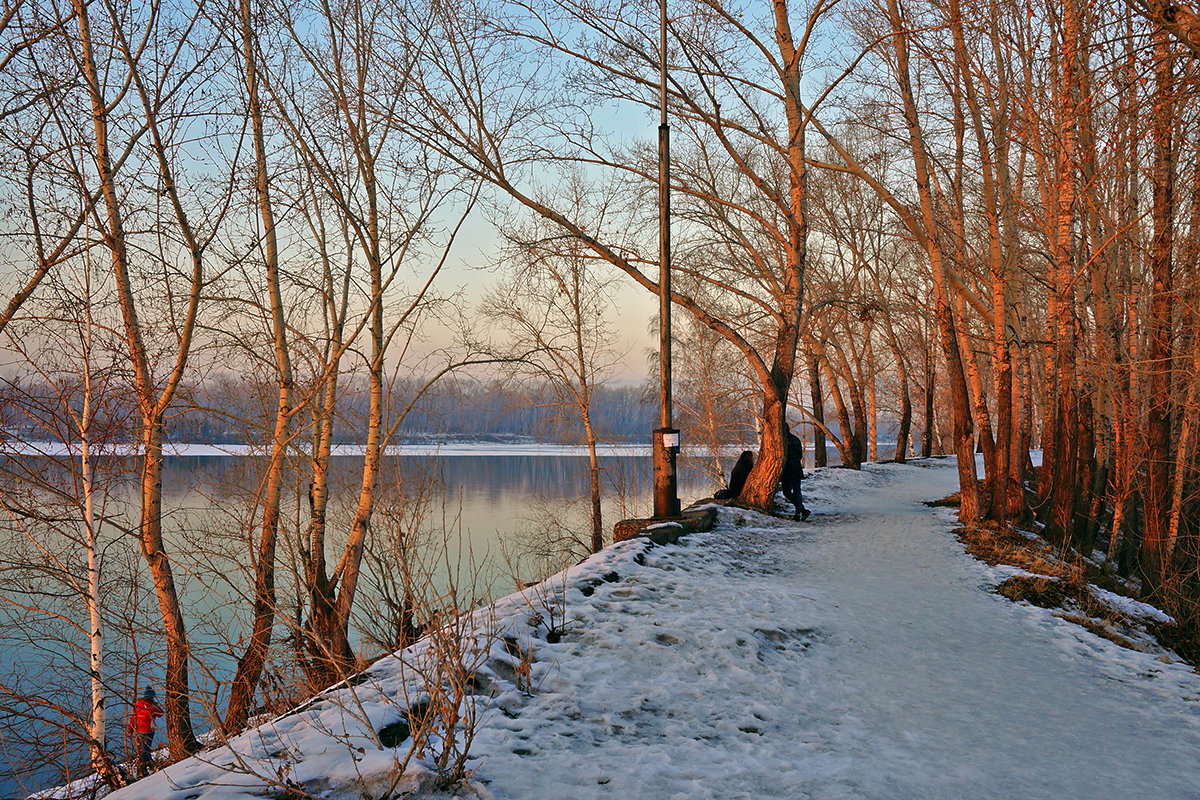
(666, 489)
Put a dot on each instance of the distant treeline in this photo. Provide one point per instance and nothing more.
(227, 411)
(476, 409)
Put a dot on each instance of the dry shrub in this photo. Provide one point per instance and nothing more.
(1036, 589)
(994, 545)
(1059, 583)
(952, 501)
(1183, 637)
(1179, 596)
(1077, 605)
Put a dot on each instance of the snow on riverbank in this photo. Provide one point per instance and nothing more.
(858, 655)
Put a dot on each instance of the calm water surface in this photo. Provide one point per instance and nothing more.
(484, 504)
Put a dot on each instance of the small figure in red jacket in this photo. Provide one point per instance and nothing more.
(141, 724)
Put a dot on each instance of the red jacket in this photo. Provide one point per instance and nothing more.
(144, 713)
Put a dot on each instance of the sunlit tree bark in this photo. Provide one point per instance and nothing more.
(368, 195)
(1178, 18)
(250, 665)
(964, 444)
(154, 394)
(1161, 322)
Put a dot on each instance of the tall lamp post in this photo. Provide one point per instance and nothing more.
(666, 437)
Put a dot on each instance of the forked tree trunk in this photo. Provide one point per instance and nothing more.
(336, 593)
(250, 665)
(776, 380)
(311, 650)
(760, 487)
(152, 402)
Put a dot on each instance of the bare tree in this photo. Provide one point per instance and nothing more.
(250, 665)
(740, 175)
(922, 224)
(370, 200)
(554, 306)
(58, 501)
(44, 222)
(713, 396)
(133, 81)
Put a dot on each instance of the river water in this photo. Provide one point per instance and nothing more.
(482, 511)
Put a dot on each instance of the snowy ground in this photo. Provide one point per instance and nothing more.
(858, 655)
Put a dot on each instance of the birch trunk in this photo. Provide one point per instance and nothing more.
(102, 760)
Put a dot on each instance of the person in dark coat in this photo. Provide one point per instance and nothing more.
(737, 478)
(141, 724)
(793, 473)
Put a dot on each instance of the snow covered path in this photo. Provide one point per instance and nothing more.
(854, 656)
(859, 655)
